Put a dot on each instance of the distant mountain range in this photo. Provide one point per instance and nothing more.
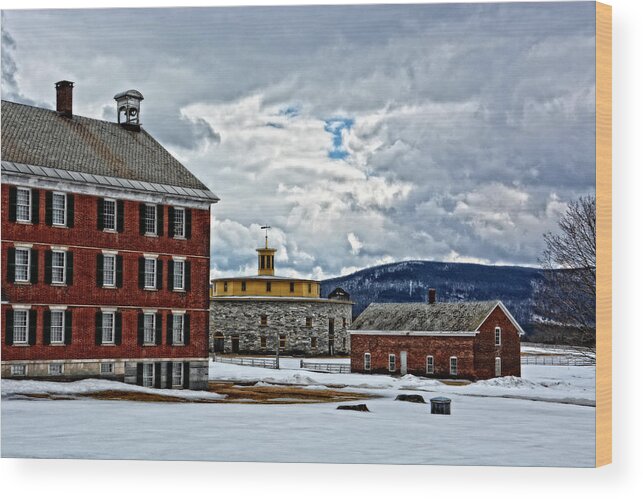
(409, 282)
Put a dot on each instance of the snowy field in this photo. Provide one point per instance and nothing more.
(545, 418)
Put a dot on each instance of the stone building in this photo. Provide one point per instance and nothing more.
(470, 340)
(105, 250)
(255, 314)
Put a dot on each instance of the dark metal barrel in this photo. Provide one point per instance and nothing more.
(440, 405)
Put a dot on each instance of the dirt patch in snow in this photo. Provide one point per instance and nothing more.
(260, 393)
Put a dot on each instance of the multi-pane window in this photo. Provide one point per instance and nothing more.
(23, 205)
(58, 267)
(367, 361)
(20, 326)
(498, 336)
(149, 328)
(391, 362)
(179, 222)
(19, 370)
(282, 341)
(148, 375)
(58, 208)
(453, 366)
(313, 342)
(179, 274)
(150, 273)
(57, 332)
(263, 342)
(107, 368)
(109, 270)
(23, 255)
(109, 214)
(309, 322)
(178, 332)
(429, 364)
(55, 369)
(108, 327)
(149, 219)
(264, 320)
(177, 374)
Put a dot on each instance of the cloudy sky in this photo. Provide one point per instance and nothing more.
(363, 135)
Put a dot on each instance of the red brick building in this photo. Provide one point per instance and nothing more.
(105, 250)
(470, 340)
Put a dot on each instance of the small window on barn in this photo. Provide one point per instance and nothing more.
(282, 341)
(263, 342)
(498, 367)
(309, 322)
(264, 320)
(268, 287)
(453, 366)
(107, 368)
(55, 369)
(148, 375)
(225, 286)
(292, 287)
(23, 205)
(367, 361)
(243, 285)
(391, 362)
(498, 336)
(19, 370)
(313, 342)
(429, 364)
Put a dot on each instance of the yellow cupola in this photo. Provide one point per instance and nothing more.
(266, 257)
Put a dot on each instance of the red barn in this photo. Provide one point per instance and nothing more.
(470, 340)
(105, 250)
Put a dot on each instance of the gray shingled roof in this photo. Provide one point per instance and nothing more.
(456, 316)
(40, 137)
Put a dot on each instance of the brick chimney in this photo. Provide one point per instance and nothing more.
(64, 91)
(431, 295)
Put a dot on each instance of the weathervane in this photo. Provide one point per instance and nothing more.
(266, 227)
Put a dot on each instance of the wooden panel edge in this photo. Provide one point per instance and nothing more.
(604, 234)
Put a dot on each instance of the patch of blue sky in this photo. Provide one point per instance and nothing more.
(290, 111)
(336, 126)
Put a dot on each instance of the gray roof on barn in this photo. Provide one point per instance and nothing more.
(442, 316)
(41, 137)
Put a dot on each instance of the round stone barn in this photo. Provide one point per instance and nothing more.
(254, 314)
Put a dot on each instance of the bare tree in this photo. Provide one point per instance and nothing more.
(566, 298)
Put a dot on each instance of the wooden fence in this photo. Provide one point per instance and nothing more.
(557, 360)
(247, 361)
(325, 367)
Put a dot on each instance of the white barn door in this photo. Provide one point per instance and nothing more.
(403, 369)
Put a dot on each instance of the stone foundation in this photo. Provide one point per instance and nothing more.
(239, 322)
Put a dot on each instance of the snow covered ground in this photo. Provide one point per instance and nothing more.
(545, 418)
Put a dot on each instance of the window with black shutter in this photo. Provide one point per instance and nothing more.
(159, 274)
(69, 277)
(170, 221)
(100, 207)
(68, 328)
(48, 255)
(157, 375)
(35, 207)
(118, 328)
(159, 220)
(99, 328)
(120, 216)
(188, 223)
(70, 210)
(11, 264)
(186, 375)
(8, 327)
(158, 337)
(188, 275)
(186, 329)
(119, 271)
(13, 198)
(48, 207)
(170, 329)
(99, 270)
(46, 327)
(33, 271)
(170, 275)
(33, 322)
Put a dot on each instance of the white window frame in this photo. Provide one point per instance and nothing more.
(177, 234)
(367, 361)
(177, 263)
(26, 326)
(174, 376)
(145, 273)
(178, 319)
(391, 357)
(112, 274)
(111, 331)
(28, 264)
(19, 370)
(453, 371)
(54, 210)
(107, 368)
(430, 367)
(64, 267)
(149, 338)
(113, 226)
(18, 205)
(497, 367)
(146, 219)
(61, 314)
(56, 369)
(148, 379)
(498, 336)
